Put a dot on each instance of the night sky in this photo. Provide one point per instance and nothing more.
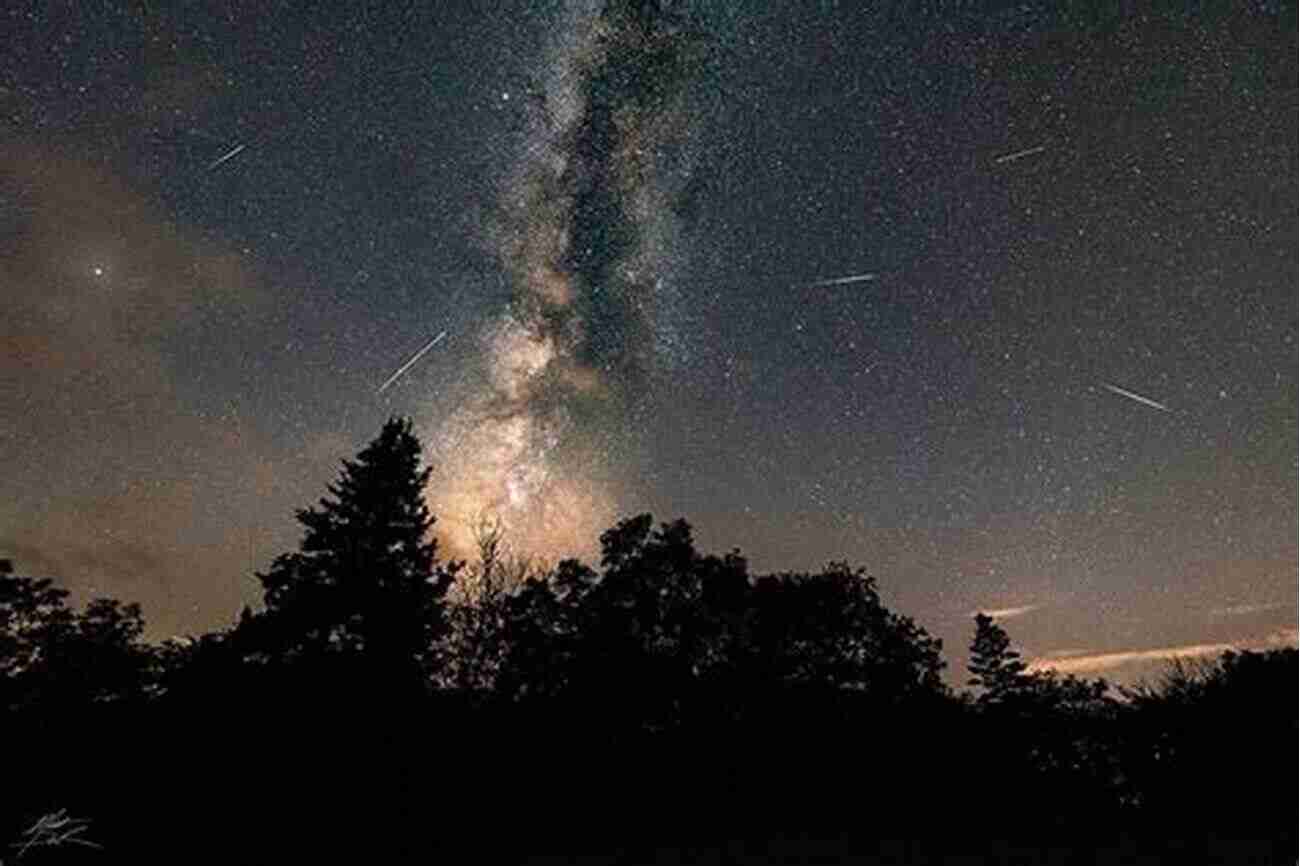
(1001, 306)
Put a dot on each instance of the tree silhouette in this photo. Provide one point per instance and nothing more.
(1215, 726)
(647, 620)
(53, 656)
(667, 636)
(542, 633)
(669, 680)
(33, 617)
(1043, 730)
(994, 666)
(365, 586)
(476, 615)
(104, 659)
(831, 630)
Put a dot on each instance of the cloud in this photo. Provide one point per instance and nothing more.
(1085, 664)
(1287, 637)
(1065, 653)
(1097, 662)
(1242, 609)
(1007, 612)
(117, 482)
(95, 279)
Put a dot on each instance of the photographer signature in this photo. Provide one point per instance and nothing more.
(52, 830)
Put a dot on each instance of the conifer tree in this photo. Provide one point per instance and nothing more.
(994, 665)
(365, 584)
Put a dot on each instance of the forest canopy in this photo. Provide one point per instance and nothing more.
(378, 680)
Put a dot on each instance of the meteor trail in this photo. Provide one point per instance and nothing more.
(1138, 397)
(231, 155)
(843, 281)
(1012, 157)
(417, 356)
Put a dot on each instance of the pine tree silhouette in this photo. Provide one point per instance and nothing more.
(994, 665)
(365, 588)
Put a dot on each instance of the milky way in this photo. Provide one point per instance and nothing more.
(827, 280)
(586, 234)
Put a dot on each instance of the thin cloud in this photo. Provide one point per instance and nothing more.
(1089, 664)
(117, 482)
(1287, 637)
(1007, 612)
(1241, 609)
(1065, 653)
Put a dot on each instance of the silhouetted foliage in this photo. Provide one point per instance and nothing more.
(1210, 727)
(56, 657)
(830, 629)
(666, 636)
(364, 591)
(666, 694)
(476, 615)
(33, 615)
(1042, 730)
(995, 668)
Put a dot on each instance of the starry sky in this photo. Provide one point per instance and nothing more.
(1001, 305)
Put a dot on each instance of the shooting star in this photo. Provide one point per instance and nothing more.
(844, 281)
(417, 356)
(1020, 154)
(231, 155)
(1146, 401)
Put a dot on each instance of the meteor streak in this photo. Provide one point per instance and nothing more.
(231, 155)
(1146, 401)
(1019, 154)
(844, 281)
(417, 356)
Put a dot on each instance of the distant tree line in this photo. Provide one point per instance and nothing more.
(384, 704)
